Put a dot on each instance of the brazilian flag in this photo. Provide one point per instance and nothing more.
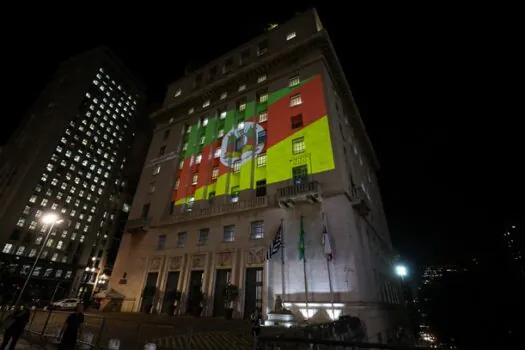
(301, 240)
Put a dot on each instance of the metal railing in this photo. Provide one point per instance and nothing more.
(296, 190)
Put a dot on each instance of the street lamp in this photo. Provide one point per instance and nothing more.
(401, 271)
(48, 219)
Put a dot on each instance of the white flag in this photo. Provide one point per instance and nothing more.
(326, 241)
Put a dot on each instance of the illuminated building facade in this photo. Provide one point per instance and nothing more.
(263, 135)
(70, 156)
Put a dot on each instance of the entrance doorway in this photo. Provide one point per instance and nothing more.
(170, 292)
(254, 289)
(221, 280)
(148, 294)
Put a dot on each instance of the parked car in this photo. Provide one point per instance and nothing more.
(65, 304)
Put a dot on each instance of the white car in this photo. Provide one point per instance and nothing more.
(65, 304)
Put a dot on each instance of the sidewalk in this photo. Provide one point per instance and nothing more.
(23, 344)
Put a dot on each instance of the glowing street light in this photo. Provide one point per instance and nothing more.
(48, 219)
(401, 271)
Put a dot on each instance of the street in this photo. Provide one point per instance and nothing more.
(133, 330)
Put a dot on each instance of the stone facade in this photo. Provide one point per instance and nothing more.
(357, 281)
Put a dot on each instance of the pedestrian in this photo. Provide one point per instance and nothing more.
(14, 327)
(71, 326)
(256, 326)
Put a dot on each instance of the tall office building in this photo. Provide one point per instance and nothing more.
(69, 157)
(262, 141)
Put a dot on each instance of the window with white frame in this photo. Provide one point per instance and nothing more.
(206, 104)
(228, 234)
(294, 81)
(295, 100)
(215, 173)
(263, 116)
(237, 166)
(203, 236)
(181, 239)
(257, 229)
(290, 36)
(298, 145)
(177, 93)
(242, 87)
(261, 160)
(261, 78)
(195, 179)
(223, 95)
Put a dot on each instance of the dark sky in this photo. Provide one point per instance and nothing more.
(437, 88)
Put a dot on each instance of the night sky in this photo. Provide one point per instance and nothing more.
(436, 87)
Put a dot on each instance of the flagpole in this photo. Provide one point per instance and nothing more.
(282, 257)
(306, 288)
(328, 268)
(304, 271)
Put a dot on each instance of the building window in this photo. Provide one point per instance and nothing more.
(203, 236)
(198, 159)
(217, 153)
(242, 87)
(21, 222)
(234, 194)
(156, 171)
(152, 187)
(205, 122)
(195, 179)
(294, 81)
(237, 166)
(290, 36)
(229, 233)
(297, 121)
(20, 250)
(7, 248)
(211, 197)
(191, 110)
(181, 239)
(295, 100)
(260, 188)
(261, 78)
(177, 93)
(215, 173)
(263, 116)
(224, 95)
(257, 231)
(206, 104)
(263, 97)
(261, 160)
(162, 150)
(298, 145)
(262, 47)
(222, 115)
(261, 137)
(161, 243)
(300, 175)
